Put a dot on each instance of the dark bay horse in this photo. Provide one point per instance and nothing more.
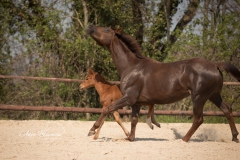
(109, 93)
(145, 81)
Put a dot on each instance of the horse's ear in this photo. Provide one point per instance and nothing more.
(90, 71)
(97, 77)
(118, 30)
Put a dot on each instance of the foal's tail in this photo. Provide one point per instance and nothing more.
(229, 68)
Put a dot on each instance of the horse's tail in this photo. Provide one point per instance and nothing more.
(229, 68)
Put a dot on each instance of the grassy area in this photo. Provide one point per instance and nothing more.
(24, 115)
(189, 119)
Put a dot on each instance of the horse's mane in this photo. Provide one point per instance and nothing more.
(131, 43)
(100, 78)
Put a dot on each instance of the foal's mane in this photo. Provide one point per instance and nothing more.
(100, 78)
(131, 43)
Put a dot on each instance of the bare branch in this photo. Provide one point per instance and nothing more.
(79, 21)
(187, 17)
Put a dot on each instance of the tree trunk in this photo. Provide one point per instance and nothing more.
(138, 21)
(167, 6)
(205, 21)
(85, 11)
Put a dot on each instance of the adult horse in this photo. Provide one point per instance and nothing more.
(145, 81)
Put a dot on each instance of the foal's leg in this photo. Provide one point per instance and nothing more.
(150, 112)
(227, 110)
(153, 119)
(198, 104)
(135, 114)
(118, 119)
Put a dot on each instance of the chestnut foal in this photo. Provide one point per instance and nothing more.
(109, 94)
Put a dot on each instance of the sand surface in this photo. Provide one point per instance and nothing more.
(67, 140)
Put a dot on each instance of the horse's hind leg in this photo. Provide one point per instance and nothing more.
(118, 119)
(198, 104)
(227, 110)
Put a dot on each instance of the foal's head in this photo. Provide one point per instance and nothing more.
(91, 79)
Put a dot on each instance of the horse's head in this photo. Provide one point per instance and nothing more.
(102, 35)
(89, 81)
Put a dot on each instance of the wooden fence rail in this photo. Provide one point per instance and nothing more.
(98, 110)
(74, 80)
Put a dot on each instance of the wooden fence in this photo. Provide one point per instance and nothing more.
(74, 80)
(96, 110)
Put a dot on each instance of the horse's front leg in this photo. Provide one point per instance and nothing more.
(135, 114)
(92, 130)
(98, 130)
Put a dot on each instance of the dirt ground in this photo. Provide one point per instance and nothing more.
(67, 140)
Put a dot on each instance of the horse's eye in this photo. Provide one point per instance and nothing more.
(107, 29)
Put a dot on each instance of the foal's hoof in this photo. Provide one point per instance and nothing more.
(91, 133)
(158, 125)
(95, 137)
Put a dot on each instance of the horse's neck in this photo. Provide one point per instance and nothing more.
(121, 55)
(101, 87)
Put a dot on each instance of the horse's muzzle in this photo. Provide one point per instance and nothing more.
(81, 87)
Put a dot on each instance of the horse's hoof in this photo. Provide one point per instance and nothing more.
(95, 137)
(184, 139)
(235, 140)
(152, 127)
(130, 139)
(91, 133)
